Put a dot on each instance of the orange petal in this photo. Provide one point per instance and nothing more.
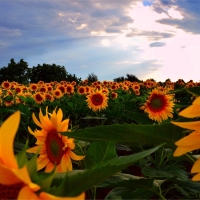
(8, 176)
(184, 149)
(42, 162)
(23, 175)
(191, 111)
(66, 163)
(49, 167)
(73, 156)
(196, 101)
(36, 120)
(27, 193)
(188, 125)
(44, 195)
(196, 177)
(192, 139)
(8, 131)
(196, 166)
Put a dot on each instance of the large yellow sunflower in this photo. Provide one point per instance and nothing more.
(159, 105)
(15, 182)
(190, 142)
(56, 149)
(97, 100)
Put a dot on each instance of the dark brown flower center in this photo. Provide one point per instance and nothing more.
(10, 191)
(157, 103)
(54, 146)
(97, 99)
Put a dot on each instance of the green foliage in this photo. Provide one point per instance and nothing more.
(18, 72)
(48, 73)
(92, 78)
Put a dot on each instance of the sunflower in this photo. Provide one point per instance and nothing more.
(97, 100)
(159, 105)
(81, 90)
(57, 93)
(190, 142)
(33, 87)
(15, 182)
(114, 95)
(56, 149)
(39, 97)
(69, 89)
(6, 85)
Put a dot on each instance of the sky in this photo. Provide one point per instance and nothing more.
(157, 39)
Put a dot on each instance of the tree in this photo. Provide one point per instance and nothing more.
(119, 79)
(73, 77)
(92, 78)
(18, 72)
(48, 73)
(132, 78)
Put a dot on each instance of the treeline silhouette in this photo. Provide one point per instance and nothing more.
(21, 73)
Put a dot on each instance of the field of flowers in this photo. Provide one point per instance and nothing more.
(104, 140)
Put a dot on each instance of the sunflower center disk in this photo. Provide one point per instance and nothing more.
(157, 103)
(10, 191)
(97, 99)
(54, 146)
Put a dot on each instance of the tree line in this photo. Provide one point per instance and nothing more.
(21, 73)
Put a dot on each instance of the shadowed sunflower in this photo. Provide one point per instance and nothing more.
(190, 142)
(55, 148)
(97, 100)
(159, 105)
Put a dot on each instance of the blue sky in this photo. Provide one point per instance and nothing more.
(157, 39)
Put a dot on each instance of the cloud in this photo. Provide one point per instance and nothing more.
(151, 35)
(157, 44)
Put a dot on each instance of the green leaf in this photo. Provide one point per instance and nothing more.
(8, 98)
(24, 109)
(139, 118)
(100, 152)
(21, 156)
(45, 180)
(127, 180)
(194, 90)
(22, 98)
(128, 193)
(168, 172)
(131, 133)
(77, 183)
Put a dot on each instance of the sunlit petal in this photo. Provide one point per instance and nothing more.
(188, 125)
(27, 193)
(73, 156)
(8, 131)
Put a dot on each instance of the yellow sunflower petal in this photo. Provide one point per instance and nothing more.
(42, 162)
(49, 167)
(188, 125)
(184, 149)
(191, 111)
(8, 176)
(64, 126)
(7, 134)
(27, 193)
(33, 149)
(36, 120)
(73, 156)
(44, 195)
(23, 175)
(189, 140)
(196, 177)
(196, 166)
(196, 101)
(66, 163)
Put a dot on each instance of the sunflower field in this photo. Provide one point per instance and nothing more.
(103, 140)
